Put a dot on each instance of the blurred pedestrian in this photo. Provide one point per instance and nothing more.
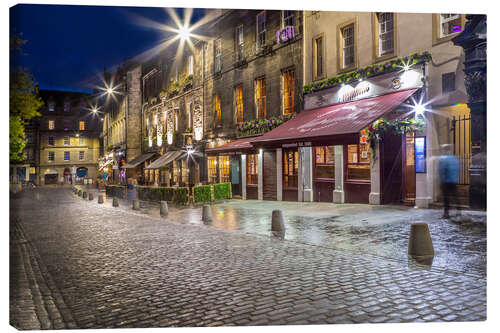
(448, 167)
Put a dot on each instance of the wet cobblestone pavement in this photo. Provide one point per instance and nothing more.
(113, 267)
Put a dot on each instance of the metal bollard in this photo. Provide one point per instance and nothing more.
(100, 199)
(277, 222)
(84, 195)
(206, 214)
(420, 243)
(163, 208)
(115, 202)
(136, 205)
(91, 196)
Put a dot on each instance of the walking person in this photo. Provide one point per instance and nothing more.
(448, 168)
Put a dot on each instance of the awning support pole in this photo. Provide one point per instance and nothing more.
(375, 195)
(338, 193)
(279, 174)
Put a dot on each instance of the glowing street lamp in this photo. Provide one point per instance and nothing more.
(184, 33)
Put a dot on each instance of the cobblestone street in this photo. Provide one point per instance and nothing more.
(77, 264)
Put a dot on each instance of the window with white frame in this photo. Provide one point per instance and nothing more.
(51, 156)
(190, 65)
(81, 155)
(261, 29)
(218, 55)
(449, 24)
(288, 18)
(82, 141)
(66, 155)
(238, 37)
(348, 46)
(385, 33)
(66, 140)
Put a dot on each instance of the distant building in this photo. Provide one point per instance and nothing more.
(68, 138)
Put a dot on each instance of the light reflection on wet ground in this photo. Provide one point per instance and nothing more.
(376, 230)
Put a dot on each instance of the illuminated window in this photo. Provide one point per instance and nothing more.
(82, 125)
(66, 140)
(260, 97)
(347, 33)
(224, 166)
(450, 24)
(325, 162)
(66, 155)
(51, 156)
(318, 57)
(288, 81)
(212, 169)
(51, 125)
(290, 168)
(218, 111)
(185, 172)
(261, 29)
(358, 160)
(81, 155)
(50, 140)
(287, 18)
(238, 102)
(385, 33)
(190, 65)
(252, 168)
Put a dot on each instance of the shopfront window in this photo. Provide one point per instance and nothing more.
(252, 168)
(358, 160)
(290, 168)
(224, 166)
(325, 162)
(212, 169)
(185, 172)
(177, 172)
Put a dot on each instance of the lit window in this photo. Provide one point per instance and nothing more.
(252, 169)
(50, 140)
(66, 140)
(66, 155)
(260, 97)
(288, 82)
(290, 168)
(318, 57)
(358, 160)
(218, 55)
(212, 169)
(51, 156)
(218, 111)
(190, 65)
(82, 125)
(81, 155)
(325, 162)
(348, 46)
(261, 29)
(51, 125)
(224, 166)
(385, 33)
(288, 18)
(238, 96)
(450, 24)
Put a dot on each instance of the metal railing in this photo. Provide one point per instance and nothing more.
(461, 131)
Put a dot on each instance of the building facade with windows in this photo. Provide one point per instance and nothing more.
(338, 43)
(68, 138)
(254, 81)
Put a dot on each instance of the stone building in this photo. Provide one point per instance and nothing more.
(68, 138)
(254, 81)
(121, 129)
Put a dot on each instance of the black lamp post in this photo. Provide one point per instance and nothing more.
(473, 41)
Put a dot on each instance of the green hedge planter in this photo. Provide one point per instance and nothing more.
(202, 193)
(177, 195)
(222, 191)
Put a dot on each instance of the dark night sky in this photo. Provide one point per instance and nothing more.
(69, 45)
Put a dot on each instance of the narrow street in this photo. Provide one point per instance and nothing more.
(77, 264)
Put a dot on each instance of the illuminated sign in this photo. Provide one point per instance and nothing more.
(348, 93)
(420, 154)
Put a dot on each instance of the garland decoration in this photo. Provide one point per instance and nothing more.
(261, 126)
(369, 71)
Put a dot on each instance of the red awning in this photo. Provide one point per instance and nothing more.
(240, 145)
(335, 121)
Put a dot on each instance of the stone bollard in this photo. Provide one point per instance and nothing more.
(91, 196)
(115, 202)
(136, 205)
(278, 223)
(420, 243)
(163, 208)
(80, 193)
(100, 199)
(84, 195)
(206, 214)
